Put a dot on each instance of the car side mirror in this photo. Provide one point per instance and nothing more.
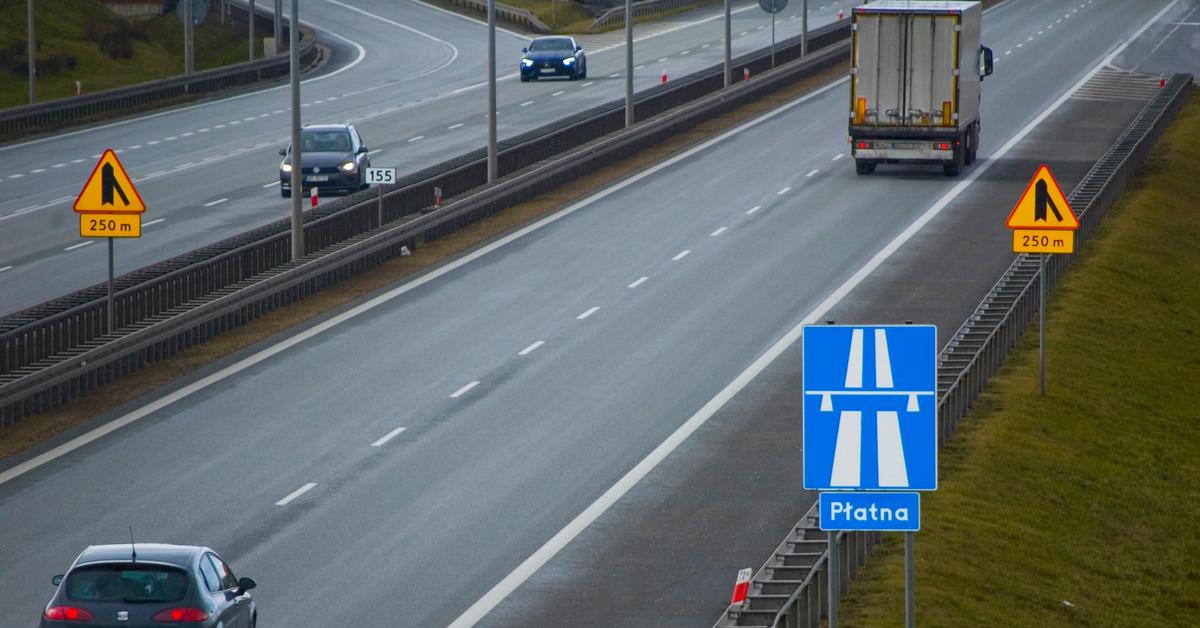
(283, 152)
(362, 149)
(524, 50)
(578, 48)
(56, 580)
(986, 61)
(245, 584)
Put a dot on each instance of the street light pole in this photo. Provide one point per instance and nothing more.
(32, 58)
(629, 62)
(250, 20)
(728, 45)
(803, 28)
(297, 166)
(188, 48)
(278, 25)
(492, 168)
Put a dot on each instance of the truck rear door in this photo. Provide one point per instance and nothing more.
(932, 69)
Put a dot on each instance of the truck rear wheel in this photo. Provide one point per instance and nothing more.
(864, 167)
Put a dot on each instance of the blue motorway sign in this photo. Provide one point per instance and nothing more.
(861, 510)
(870, 407)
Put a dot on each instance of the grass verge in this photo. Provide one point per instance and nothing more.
(38, 428)
(66, 54)
(1078, 508)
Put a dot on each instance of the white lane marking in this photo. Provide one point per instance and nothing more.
(154, 174)
(378, 150)
(95, 156)
(1008, 52)
(685, 52)
(296, 493)
(759, 28)
(717, 232)
(586, 84)
(640, 67)
(613, 75)
(742, 34)
(662, 60)
(154, 222)
(462, 391)
(812, 172)
(753, 209)
(454, 126)
(1020, 44)
(135, 147)
(784, 191)
(267, 115)
(561, 92)
(682, 254)
(531, 348)
(16, 176)
(417, 138)
(527, 103)
(271, 184)
(838, 156)
(204, 130)
(76, 161)
(589, 312)
(6, 268)
(523, 37)
(563, 537)
(76, 246)
(188, 134)
(452, 47)
(389, 436)
(37, 170)
(216, 202)
(705, 45)
(638, 282)
(151, 142)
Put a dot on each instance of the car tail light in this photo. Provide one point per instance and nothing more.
(944, 146)
(68, 613)
(180, 615)
(864, 144)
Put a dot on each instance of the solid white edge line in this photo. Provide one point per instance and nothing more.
(154, 222)
(462, 391)
(589, 312)
(389, 436)
(531, 348)
(296, 493)
(76, 246)
(530, 565)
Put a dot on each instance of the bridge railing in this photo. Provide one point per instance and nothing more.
(969, 360)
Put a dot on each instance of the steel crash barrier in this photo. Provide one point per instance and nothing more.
(60, 349)
(55, 114)
(792, 589)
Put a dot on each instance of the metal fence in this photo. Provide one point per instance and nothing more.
(55, 114)
(642, 8)
(61, 349)
(517, 16)
(791, 589)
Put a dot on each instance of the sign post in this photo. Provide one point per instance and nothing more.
(109, 206)
(870, 432)
(773, 7)
(1042, 222)
(380, 177)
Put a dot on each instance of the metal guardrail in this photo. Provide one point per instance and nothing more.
(59, 350)
(516, 16)
(642, 8)
(791, 589)
(55, 114)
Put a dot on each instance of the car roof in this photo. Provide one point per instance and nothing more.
(545, 37)
(326, 127)
(181, 555)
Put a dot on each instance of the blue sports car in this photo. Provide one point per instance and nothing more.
(553, 56)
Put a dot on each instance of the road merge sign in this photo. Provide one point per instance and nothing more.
(1042, 220)
(109, 205)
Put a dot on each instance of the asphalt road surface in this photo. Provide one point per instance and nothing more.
(410, 76)
(534, 373)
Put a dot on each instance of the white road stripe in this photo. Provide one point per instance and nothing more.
(638, 282)
(561, 92)
(76, 161)
(37, 170)
(663, 60)
(682, 254)
(527, 103)
(216, 202)
(454, 126)
(839, 156)
(531, 348)
(271, 185)
(588, 313)
(640, 67)
(718, 232)
(753, 209)
(784, 191)
(586, 84)
(417, 138)
(5, 268)
(705, 45)
(296, 493)
(812, 172)
(76, 246)
(154, 222)
(389, 436)
(462, 391)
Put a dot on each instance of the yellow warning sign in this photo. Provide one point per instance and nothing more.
(110, 225)
(109, 190)
(1043, 241)
(1043, 205)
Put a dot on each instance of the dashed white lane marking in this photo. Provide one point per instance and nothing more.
(378, 150)
(454, 126)
(1007, 52)
(154, 222)
(718, 232)
(97, 156)
(135, 147)
(589, 312)
(76, 161)
(682, 254)
(527, 103)
(296, 493)
(1042, 32)
(271, 184)
(812, 172)
(638, 282)
(753, 209)
(203, 130)
(37, 170)
(1029, 38)
(838, 156)
(531, 348)
(16, 176)
(417, 138)
(1020, 44)
(586, 84)
(216, 202)
(640, 67)
(189, 133)
(759, 28)
(662, 60)
(151, 142)
(685, 52)
(462, 391)
(5, 268)
(389, 436)
(742, 34)
(784, 191)
(76, 246)
(279, 111)
(561, 92)
(613, 75)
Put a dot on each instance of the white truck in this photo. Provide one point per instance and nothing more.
(916, 69)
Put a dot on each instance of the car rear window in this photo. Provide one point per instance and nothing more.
(126, 582)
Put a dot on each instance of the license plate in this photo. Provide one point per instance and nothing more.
(904, 145)
(547, 70)
(316, 178)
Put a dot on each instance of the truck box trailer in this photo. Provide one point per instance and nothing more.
(916, 70)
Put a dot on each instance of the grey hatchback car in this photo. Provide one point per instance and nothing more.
(333, 157)
(150, 584)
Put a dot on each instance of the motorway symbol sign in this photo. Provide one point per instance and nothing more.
(860, 510)
(1043, 205)
(109, 190)
(870, 407)
(110, 225)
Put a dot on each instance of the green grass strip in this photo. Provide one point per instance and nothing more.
(1079, 508)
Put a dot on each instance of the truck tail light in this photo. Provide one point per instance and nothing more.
(863, 145)
(943, 146)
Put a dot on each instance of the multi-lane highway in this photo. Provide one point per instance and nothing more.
(540, 379)
(411, 78)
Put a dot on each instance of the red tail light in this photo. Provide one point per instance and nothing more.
(864, 144)
(180, 615)
(943, 146)
(67, 613)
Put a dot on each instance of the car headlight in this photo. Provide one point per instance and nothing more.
(286, 167)
(349, 166)
(568, 60)
(527, 63)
